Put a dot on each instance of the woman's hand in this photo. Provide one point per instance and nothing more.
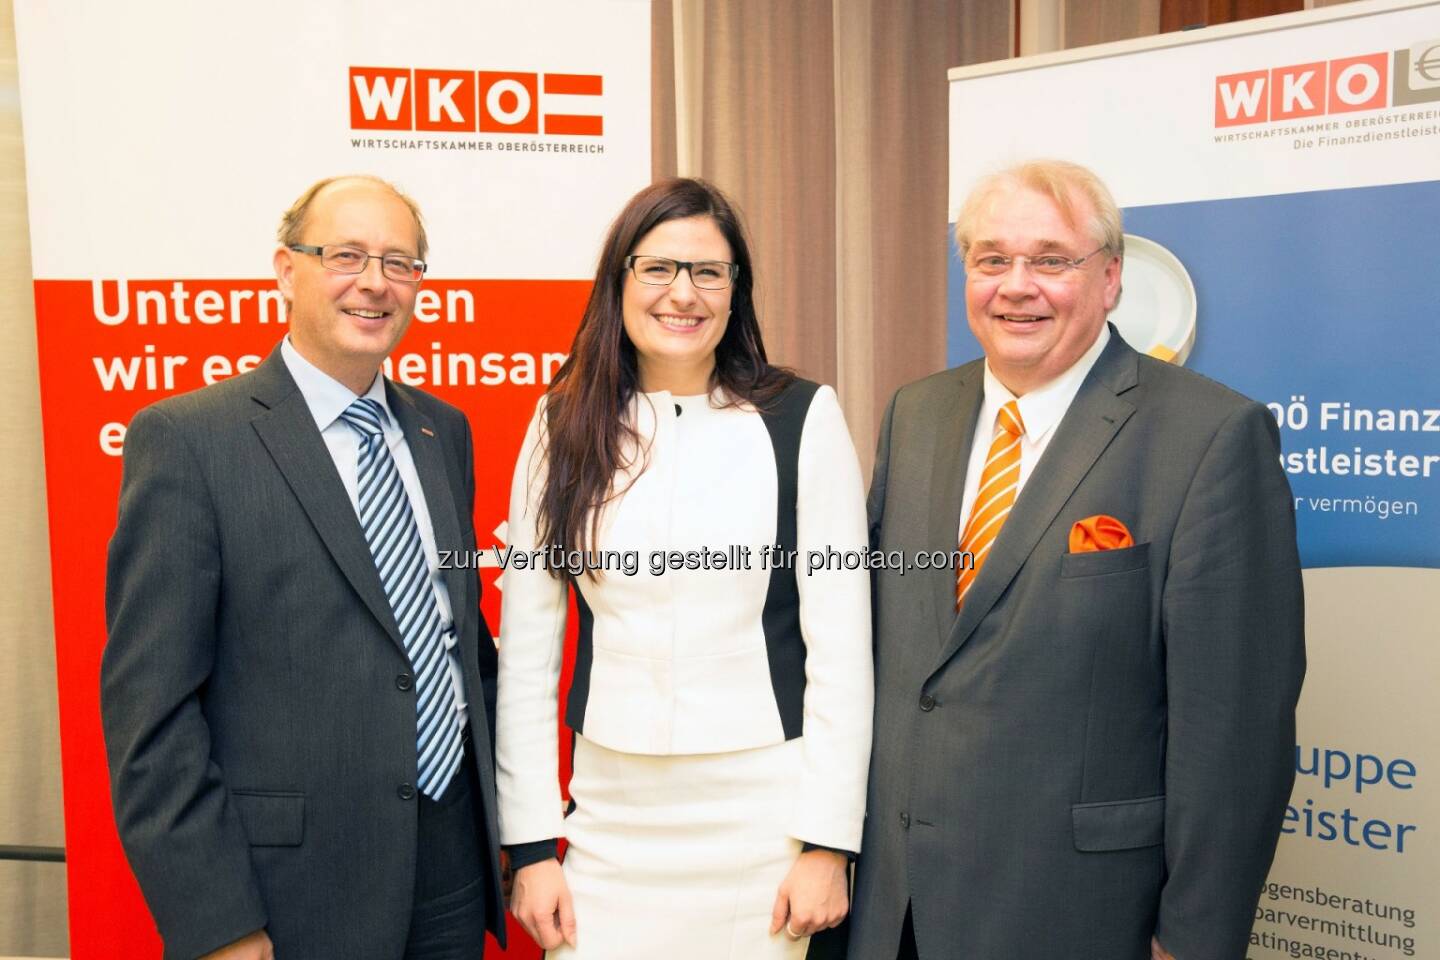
(541, 902)
(815, 895)
(256, 946)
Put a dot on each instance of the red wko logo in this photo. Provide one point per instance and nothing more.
(1344, 85)
(470, 101)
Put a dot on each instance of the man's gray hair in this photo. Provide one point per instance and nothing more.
(1062, 182)
(292, 223)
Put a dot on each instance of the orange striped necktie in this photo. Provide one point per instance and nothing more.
(998, 483)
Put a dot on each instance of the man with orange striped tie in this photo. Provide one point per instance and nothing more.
(1084, 731)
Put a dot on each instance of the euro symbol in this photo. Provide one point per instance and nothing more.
(1428, 65)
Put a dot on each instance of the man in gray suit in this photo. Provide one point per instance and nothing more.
(293, 690)
(1083, 736)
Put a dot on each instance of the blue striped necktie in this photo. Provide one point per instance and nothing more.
(394, 538)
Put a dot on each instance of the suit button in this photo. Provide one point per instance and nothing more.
(404, 682)
(905, 820)
(405, 792)
(927, 703)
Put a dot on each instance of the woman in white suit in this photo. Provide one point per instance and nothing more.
(722, 694)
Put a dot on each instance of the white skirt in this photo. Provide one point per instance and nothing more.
(681, 856)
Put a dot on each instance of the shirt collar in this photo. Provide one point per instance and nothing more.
(1042, 408)
(327, 397)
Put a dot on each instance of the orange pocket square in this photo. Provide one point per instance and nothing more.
(1099, 533)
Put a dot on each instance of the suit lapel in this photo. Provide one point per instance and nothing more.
(423, 440)
(288, 430)
(956, 433)
(1096, 414)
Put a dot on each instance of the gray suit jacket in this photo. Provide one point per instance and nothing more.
(257, 710)
(1100, 746)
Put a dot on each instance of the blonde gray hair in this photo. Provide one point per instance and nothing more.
(1061, 181)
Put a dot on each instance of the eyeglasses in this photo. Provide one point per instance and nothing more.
(1042, 264)
(662, 271)
(343, 259)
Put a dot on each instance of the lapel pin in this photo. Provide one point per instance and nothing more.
(427, 431)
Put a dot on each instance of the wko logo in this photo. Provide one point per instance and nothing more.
(1336, 86)
(398, 98)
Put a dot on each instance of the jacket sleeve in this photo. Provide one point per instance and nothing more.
(487, 655)
(532, 640)
(875, 510)
(879, 478)
(835, 621)
(1233, 621)
(180, 830)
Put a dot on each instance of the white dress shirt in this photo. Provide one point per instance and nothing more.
(1041, 410)
(327, 398)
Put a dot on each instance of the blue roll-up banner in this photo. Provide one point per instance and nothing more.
(1280, 182)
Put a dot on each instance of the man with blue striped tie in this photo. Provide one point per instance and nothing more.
(294, 692)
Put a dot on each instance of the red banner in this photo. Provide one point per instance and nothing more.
(108, 348)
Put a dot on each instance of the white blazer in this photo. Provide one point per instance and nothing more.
(678, 661)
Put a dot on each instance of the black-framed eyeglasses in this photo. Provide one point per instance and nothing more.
(1042, 264)
(662, 271)
(340, 258)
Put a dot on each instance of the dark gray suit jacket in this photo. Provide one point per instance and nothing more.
(1100, 746)
(258, 714)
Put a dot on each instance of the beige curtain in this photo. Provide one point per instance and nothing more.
(827, 123)
(755, 113)
(32, 895)
(1087, 22)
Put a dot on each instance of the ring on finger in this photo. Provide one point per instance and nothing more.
(791, 931)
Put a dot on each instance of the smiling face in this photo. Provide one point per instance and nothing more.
(676, 328)
(346, 324)
(1034, 328)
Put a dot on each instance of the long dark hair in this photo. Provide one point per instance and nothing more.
(587, 424)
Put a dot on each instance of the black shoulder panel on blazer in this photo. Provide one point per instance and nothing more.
(584, 657)
(784, 643)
